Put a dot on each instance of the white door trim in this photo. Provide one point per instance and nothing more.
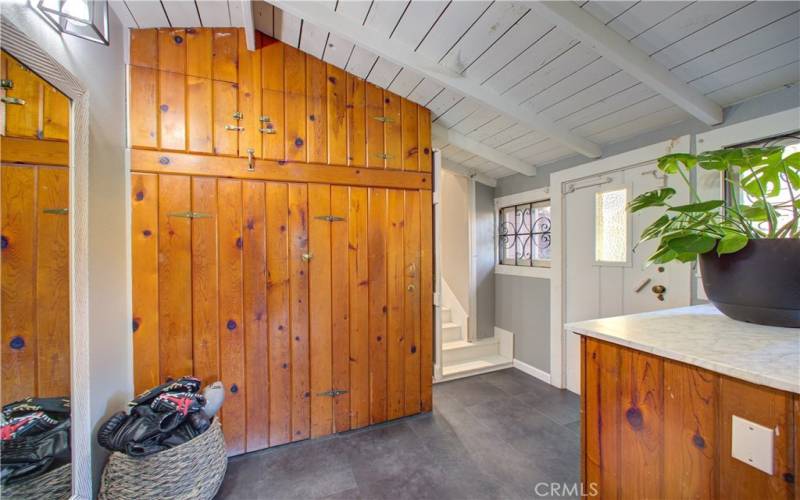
(437, 265)
(558, 180)
(472, 322)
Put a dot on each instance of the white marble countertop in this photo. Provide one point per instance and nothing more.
(702, 336)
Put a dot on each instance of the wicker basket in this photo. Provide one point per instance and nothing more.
(55, 484)
(193, 470)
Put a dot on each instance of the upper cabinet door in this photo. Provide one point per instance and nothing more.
(225, 54)
(226, 118)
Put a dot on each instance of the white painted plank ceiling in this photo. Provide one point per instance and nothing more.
(729, 51)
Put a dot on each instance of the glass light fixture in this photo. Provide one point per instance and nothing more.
(87, 19)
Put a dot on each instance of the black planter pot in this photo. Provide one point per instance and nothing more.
(758, 284)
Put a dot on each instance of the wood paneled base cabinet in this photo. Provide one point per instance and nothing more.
(656, 428)
(312, 302)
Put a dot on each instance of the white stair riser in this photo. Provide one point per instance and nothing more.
(447, 315)
(451, 333)
(465, 370)
(472, 351)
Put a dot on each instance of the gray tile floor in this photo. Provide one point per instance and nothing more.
(492, 436)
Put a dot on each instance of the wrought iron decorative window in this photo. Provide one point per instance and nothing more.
(524, 235)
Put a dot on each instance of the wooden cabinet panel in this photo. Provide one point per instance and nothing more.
(142, 107)
(172, 110)
(426, 151)
(376, 232)
(144, 48)
(144, 254)
(23, 120)
(273, 140)
(426, 346)
(56, 114)
(172, 50)
(298, 310)
(225, 54)
(337, 116)
(199, 47)
(359, 308)
(656, 428)
(256, 346)
(316, 104)
(295, 88)
(374, 117)
(396, 333)
(410, 148)
(199, 115)
(249, 98)
(340, 321)
(412, 320)
(393, 131)
(52, 283)
(226, 139)
(278, 297)
(356, 121)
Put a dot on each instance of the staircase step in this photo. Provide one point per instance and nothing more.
(461, 351)
(476, 366)
(447, 315)
(451, 332)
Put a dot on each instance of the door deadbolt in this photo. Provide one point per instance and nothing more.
(659, 289)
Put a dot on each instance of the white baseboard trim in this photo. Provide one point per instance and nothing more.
(506, 340)
(532, 371)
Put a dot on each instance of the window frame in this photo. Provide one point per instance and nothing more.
(533, 197)
(615, 186)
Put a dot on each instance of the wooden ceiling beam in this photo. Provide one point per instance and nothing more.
(449, 136)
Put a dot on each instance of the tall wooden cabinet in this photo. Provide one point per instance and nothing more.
(282, 236)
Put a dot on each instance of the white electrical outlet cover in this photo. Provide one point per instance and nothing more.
(753, 444)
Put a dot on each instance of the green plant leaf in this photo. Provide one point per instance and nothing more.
(731, 243)
(754, 213)
(671, 163)
(655, 198)
(703, 206)
(656, 228)
(713, 160)
(686, 257)
(662, 255)
(693, 243)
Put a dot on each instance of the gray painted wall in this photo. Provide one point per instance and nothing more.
(484, 260)
(523, 304)
(101, 69)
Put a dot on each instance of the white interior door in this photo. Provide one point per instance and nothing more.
(604, 276)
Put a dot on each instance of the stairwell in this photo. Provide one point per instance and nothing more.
(461, 358)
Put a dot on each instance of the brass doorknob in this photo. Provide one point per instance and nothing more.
(659, 289)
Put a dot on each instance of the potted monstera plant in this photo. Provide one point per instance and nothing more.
(749, 244)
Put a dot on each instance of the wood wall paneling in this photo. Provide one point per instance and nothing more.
(172, 110)
(412, 321)
(225, 54)
(226, 140)
(144, 48)
(426, 345)
(199, 47)
(34, 151)
(23, 120)
(425, 148)
(143, 110)
(337, 116)
(340, 307)
(316, 109)
(199, 115)
(272, 80)
(410, 147)
(250, 100)
(376, 151)
(376, 233)
(172, 50)
(56, 114)
(359, 308)
(295, 106)
(393, 131)
(395, 285)
(356, 121)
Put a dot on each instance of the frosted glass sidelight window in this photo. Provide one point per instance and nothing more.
(611, 226)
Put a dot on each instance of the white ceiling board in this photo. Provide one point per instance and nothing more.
(683, 23)
(476, 120)
(383, 73)
(405, 82)
(520, 143)
(492, 128)
(521, 37)
(313, 40)
(507, 135)
(482, 150)
(443, 102)
(650, 121)
(457, 113)
(354, 9)
(451, 26)
(750, 67)
(214, 13)
(361, 62)
(262, 17)
(425, 91)
(576, 82)
(749, 45)
(632, 112)
(385, 14)
(123, 14)
(338, 50)
(609, 105)
(572, 61)
(236, 10)
(786, 75)
(545, 50)
(499, 173)
(150, 13)
(493, 24)
(605, 12)
(738, 24)
(597, 92)
(456, 154)
(642, 16)
(287, 28)
(417, 20)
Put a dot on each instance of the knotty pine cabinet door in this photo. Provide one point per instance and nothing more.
(311, 302)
